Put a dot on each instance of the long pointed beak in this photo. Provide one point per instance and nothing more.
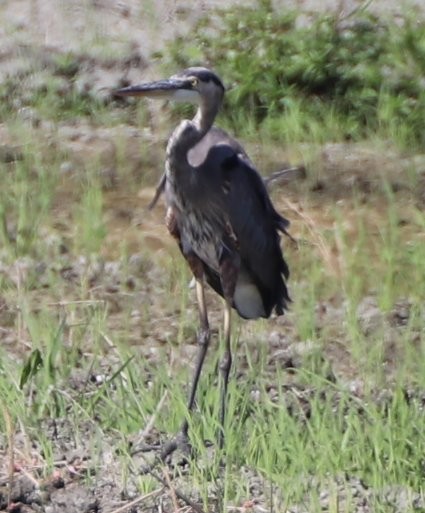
(159, 89)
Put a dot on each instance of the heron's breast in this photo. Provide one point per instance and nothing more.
(199, 228)
(203, 237)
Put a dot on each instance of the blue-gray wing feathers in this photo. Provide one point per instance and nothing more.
(236, 186)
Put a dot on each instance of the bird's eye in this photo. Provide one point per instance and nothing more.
(194, 81)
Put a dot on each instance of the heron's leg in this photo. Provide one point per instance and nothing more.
(229, 269)
(225, 365)
(203, 343)
(197, 269)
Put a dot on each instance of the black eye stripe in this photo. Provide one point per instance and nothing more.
(188, 85)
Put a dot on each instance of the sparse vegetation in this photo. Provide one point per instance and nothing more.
(325, 78)
(97, 322)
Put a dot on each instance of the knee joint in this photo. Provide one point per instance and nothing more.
(204, 337)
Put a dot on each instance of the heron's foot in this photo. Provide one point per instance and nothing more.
(175, 452)
(180, 443)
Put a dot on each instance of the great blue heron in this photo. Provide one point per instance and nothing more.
(221, 215)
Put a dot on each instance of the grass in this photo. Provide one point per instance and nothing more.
(296, 449)
(311, 434)
(98, 323)
(337, 77)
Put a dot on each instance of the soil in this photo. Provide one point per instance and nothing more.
(33, 34)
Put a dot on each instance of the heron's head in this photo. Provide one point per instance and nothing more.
(193, 85)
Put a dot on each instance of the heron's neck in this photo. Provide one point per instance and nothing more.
(204, 117)
(188, 134)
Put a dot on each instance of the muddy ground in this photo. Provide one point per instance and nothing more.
(32, 34)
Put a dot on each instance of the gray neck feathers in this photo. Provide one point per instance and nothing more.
(187, 135)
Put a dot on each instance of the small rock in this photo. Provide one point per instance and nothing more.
(66, 167)
(24, 490)
(400, 314)
(274, 339)
(369, 316)
(74, 499)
